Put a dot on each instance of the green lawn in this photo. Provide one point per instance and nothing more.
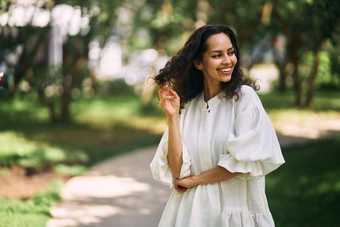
(101, 128)
(305, 191)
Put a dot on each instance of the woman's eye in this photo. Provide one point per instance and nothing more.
(216, 56)
(231, 53)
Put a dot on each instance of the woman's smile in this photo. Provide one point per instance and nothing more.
(225, 71)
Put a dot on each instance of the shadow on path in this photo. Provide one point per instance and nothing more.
(118, 192)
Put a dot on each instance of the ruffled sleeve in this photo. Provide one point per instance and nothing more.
(254, 148)
(160, 168)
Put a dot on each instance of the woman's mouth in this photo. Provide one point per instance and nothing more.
(225, 70)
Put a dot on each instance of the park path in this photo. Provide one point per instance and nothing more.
(120, 192)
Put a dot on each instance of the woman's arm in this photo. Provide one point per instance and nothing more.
(174, 148)
(170, 102)
(211, 176)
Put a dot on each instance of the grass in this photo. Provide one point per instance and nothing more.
(30, 213)
(101, 128)
(323, 101)
(305, 191)
(281, 110)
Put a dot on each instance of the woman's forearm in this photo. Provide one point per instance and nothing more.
(213, 175)
(174, 147)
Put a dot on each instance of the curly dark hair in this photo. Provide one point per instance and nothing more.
(182, 75)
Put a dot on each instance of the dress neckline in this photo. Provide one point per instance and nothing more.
(211, 102)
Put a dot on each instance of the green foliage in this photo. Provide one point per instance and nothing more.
(151, 109)
(162, 24)
(325, 78)
(32, 212)
(311, 21)
(116, 87)
(24, 49)
(305, 191)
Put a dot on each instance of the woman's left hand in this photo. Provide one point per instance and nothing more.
(181, 185)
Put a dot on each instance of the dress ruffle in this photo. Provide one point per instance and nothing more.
(253, 149)
(201, 207)
(160, 167)
(246, 218)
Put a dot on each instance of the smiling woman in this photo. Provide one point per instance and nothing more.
(219, 143)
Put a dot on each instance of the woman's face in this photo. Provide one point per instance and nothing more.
(219, 61)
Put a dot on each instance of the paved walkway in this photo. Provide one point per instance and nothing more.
(120, 193)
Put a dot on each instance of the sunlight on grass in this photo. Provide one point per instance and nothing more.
(13, 142)
(301, 117)
(23, 110)
(16, 149)
(101, 114)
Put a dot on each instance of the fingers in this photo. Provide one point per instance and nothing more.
(165, 93)
(180, 188)
(168, 100)
(172, 92)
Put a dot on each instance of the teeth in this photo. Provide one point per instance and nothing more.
(225, 70)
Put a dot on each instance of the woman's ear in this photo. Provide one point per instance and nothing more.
(198, 65)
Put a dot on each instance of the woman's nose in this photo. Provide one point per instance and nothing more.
(226, 59)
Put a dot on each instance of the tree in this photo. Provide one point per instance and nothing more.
(22, 44)
(307, 25)
(19, 45)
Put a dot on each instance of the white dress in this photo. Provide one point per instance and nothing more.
(236, 135)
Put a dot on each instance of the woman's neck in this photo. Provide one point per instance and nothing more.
(210, 92)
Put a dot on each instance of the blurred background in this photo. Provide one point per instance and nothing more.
(76, 88)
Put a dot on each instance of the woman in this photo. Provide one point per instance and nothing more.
(219, 143)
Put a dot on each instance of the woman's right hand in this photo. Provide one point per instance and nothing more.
(169, 101)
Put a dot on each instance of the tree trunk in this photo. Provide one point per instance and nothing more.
(68, 84)
(296, 76)
(26, 59)
(282, 77)
(248, 32)
(66, 98)
(293, 53)
(51, 107)
(311, 78)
